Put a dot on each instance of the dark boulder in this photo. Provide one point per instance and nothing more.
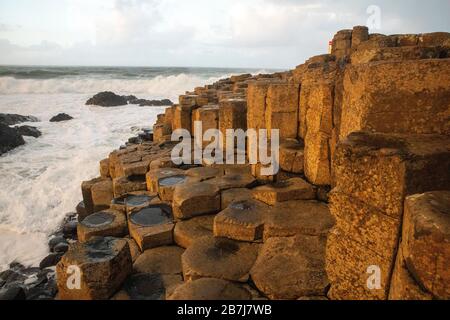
(10, 119)
(81, 210)
(134, 140)
(70, 229)
(12, 276)
(16, 266)
(28, 131)
(44, 288)
(166, 102)
(51, 260)
(55, 241)
(61, 117)
(9, 139)
(145, 136)
(27, 272)
(61, 248)
(107, 99)
(12, 293)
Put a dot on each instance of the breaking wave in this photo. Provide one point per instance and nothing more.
(157, 87)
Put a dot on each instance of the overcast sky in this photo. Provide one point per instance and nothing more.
(215, 33)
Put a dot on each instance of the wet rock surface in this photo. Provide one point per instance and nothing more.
(110, 99)
(105, 223)
(28, 131)
(61, 117)
(9, 139)
(152, 226)
(107, 99)
(27, 283)
(13, 119)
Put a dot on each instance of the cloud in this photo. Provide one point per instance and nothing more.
(8, 28)
(4, 27)
(128, 22)
(253, 33)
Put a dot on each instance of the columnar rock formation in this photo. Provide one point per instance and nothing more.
(371, 121)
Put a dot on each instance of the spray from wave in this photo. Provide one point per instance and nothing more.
(158, 87)
(151, 82)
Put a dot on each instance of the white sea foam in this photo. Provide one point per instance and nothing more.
(40, 181)
(158, 87)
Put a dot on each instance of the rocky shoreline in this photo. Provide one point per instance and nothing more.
(12, 137)
(359, 209)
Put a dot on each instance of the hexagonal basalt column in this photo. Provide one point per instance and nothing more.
(219, 258)
(134, 201)
(242, 220)
(102, 264)
(182, 118)
(102, 194)
(426, 241)
(152, 226)
(187, 231)
(231, 181)
(204, 173)
(195, 199)
(282, 109)
(208, 116)
(104, 223)
(86, 190)
(292, 189)
(129, 184)
(233, 195)
(166, 186)
(291, 268)
(292, 156)
(137, 202)
(298, 217)
(135, 168)
(148, 286)
(162, 260)
(210, 289)
(155, 175)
